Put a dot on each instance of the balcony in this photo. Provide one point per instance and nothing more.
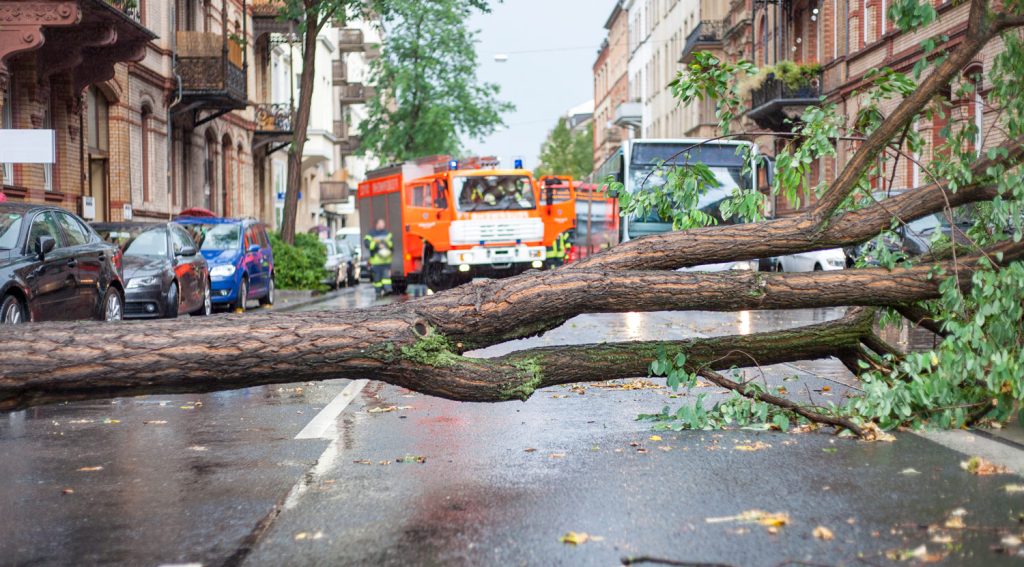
(130, 8)
(340, 129)
(707, 35)
(350, 144)
(612, 135)
(266, 19)
(333, 192)
(339, 73)
(776, 105)
(356, 93)
(629, 115)
(351, 41)
(372, 52)
(212, 72)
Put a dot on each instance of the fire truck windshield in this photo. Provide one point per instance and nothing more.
(494, 193)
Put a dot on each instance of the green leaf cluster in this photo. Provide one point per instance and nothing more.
(428, 95)
(566, 152)
(299, 266)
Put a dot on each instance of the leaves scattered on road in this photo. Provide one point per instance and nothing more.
(982, 467)
(155, 422)
(910, 472)
(748, 447)
(412, 459)
(771, 521)
(638, 384)
(1014, 488)
(823, 533)
(111, 421)
(90, 469)
(303, 536)
(574, 538)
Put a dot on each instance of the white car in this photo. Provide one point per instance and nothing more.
(816, 261)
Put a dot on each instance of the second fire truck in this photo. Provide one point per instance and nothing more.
(455, 220)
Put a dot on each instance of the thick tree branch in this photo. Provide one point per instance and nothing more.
(921, 317)
(485, 313)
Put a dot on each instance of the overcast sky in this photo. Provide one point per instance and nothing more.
(551, 47)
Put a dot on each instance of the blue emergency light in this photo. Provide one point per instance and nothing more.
(518, 164)
(453, 165)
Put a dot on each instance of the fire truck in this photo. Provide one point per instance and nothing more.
(453, 220)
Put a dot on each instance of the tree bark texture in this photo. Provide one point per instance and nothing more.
(420, 344)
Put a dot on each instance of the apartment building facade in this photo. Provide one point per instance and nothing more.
(162, 107)
(611, 86)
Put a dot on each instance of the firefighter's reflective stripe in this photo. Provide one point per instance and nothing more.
(560, 247)
(375, 243)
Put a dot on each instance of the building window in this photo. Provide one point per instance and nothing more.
(147, 153)
(6, 122)
(47, 167)
(976, 108)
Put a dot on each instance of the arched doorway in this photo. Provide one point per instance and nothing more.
(210, 171)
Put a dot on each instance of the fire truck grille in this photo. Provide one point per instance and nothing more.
(505, 230)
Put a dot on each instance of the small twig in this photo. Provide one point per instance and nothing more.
(920, 317)
(875, 343)
(660, 561)
(784, 403)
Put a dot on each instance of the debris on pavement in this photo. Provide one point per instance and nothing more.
(823, 533)
(574, 538)
(982, 467)
(411, 459)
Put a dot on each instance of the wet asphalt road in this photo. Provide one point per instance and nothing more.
(222, 479)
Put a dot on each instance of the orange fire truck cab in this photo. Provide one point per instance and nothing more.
(455, 220)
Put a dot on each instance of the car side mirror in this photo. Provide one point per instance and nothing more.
(187, 251)
(254, 248)
(44, 245)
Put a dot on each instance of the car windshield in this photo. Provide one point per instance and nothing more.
(221, 236)
(149, 243)
(347, 242)
(10, 228)
(331, 250)
(929, 224)
(494, 193)
(729, 178)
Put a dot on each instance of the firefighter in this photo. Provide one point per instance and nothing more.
(559, 250)
(381, 244)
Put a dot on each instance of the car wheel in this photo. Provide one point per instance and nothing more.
(113, 305)
(268, 299)
(818, 268)
(207, 307)
(173, 301)
(243, 295)
(12, 312)
(778, 266)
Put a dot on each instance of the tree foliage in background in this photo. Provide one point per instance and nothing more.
(976, 374)
(428, 94)
(566, 152)
(299, 265)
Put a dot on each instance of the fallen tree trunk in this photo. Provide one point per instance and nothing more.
(245, 351)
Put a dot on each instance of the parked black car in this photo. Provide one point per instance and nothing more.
(54, 267)
(164, 273)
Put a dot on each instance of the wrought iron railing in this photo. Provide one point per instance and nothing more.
(129, 7)
(707, 31)
(274, 117)
(773, 89)
(204, 67)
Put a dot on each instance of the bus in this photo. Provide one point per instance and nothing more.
(636, 164)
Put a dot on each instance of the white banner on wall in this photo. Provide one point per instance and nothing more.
(27, 146)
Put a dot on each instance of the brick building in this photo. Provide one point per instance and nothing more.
(611, 85)
(848, 39)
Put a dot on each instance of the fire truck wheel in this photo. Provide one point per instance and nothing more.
(399, 286)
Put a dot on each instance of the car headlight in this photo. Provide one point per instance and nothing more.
(224, 271)
(837, 262)
(146, 281)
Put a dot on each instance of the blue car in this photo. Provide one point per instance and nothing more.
(240, 258)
